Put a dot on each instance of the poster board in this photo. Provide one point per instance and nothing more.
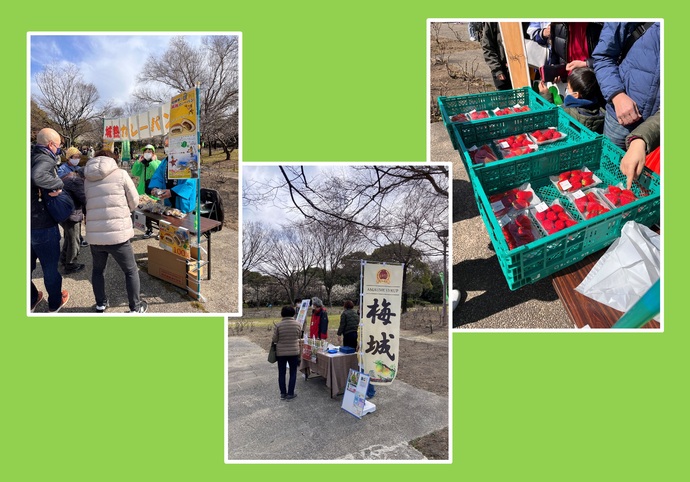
(302, 313)
(174, 239)
(183, 149)
(354, 398)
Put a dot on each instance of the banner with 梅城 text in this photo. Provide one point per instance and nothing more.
(380, 320)
(140, 126)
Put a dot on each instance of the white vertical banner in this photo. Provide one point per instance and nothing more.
(110, 129)
(380, 319)
(133, 125)
(124, 128)
(144, 125)
(155, 121)
(165, 118)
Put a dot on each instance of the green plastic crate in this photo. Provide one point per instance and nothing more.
(450, 106)
(578, 136)
(547, 255)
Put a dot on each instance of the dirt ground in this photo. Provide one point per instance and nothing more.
(423, 356)
(457, 64)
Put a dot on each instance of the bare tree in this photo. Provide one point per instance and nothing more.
(291, 259)
(255, 245)
(333, 242)
(364, 196)
(388, 205)
(68, 101)
(215, 66)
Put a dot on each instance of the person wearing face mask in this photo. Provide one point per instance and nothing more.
(73, 158)
(144, 168)
(45, 234)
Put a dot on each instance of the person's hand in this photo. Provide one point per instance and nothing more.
(626, 109)
(575, 64)
(164, 194)
(543, 89)
(546, 33)
(55, 193)
(633, 160)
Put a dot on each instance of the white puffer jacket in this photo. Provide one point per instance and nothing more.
(111, 196)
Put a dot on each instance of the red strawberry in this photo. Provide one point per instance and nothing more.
(555, 135)
(559, 225)
(524, 195)
(541, 216)
(557, 208)
(551, 216)
(523, 221)
(614, 190)
(612, 197)
(520, 204)
(564, 175)
(563, 216)
(570, 222)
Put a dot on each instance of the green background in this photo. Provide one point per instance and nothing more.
(142, 398)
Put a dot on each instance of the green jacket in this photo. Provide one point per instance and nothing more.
(138, 170)
(349, 322)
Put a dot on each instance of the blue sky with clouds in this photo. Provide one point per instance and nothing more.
(109, 61)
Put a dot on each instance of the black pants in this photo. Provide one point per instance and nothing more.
(350, 339)
(293, 362)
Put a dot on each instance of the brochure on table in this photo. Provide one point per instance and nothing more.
(354, 398)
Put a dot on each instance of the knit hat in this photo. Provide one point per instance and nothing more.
(71, 152)
(148, 146)
(316, 302)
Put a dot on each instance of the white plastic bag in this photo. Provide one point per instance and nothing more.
(627, 270)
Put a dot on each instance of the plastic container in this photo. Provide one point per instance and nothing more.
(543, 257)
(502, 127)
(547, 136)
(575, 179)
(523, 97)
(589, 204)
(552, 218)
(518, 198)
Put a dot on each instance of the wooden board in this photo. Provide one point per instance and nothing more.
(514, 45)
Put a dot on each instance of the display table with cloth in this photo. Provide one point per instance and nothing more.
(334, 367)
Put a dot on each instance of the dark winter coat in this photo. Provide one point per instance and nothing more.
(43, 175)
(349, 322)
(638, 74)
(559, 41)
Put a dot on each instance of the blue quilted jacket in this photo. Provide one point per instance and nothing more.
(638, 74)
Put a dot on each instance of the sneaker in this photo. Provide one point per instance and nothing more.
(73, 268)
(148, 234)
(473, 39)
(83, 243)
(143, 307)
(63, 302)
(290, 397)
(102, 308)
(38, 300)
(283, 396)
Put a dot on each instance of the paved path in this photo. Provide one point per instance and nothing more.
(313, 426)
